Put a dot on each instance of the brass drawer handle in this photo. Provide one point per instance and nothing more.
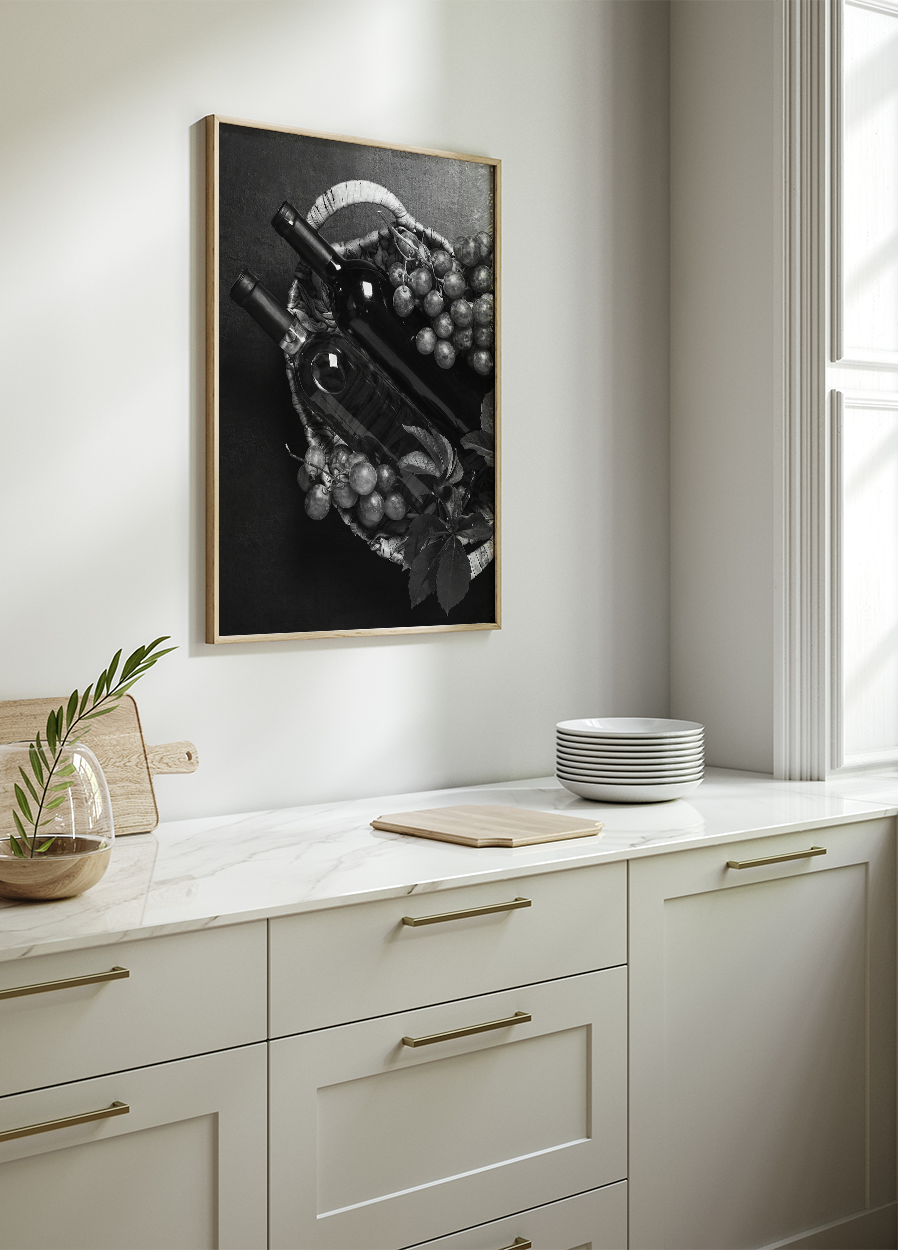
(775, 859)
(519, 1017)
(47, 1126)
(414, 921)
(519, 1243)
(114, 974)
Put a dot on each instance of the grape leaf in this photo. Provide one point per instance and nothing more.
(482, 444)
(453, 575)
(420, 583)
(423, 530)
(418, 462)
(438, 447)
(478, 531)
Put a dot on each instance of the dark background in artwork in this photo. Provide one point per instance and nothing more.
(279, 572)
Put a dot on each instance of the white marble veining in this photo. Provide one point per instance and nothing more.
(226, 869)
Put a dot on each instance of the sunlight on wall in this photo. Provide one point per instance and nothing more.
(867, 440)
(101, 331)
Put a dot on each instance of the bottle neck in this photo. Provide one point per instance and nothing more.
(307, 242)
(276, 320)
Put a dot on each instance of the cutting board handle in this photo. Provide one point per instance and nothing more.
(173, 757)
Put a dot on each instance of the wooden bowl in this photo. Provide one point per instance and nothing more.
(68, 868)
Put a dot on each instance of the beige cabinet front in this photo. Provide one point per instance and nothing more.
(762, 1039)
(349, 963)
(593, 1221)
(177, 1161)
(378, 1143)
(84, 1012)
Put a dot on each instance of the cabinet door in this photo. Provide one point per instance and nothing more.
(593, 1221)
(349, 963)
(180, 995)
(378, 1144)
(183, 1169)
(762, 1038)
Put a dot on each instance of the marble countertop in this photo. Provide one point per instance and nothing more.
(221, 870)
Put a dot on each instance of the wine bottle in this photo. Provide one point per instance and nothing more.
(363, 309)
(352, 399)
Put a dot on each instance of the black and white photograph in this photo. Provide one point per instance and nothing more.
(352, 379)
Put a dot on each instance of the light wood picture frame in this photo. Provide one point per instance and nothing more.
(352, 386)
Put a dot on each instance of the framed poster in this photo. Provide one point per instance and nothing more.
(352, 386)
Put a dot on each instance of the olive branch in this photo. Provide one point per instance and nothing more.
(51, 771)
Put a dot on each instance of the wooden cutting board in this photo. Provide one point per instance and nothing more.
(117, 741)
(488, 825)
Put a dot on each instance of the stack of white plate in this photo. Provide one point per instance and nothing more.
(629, 759)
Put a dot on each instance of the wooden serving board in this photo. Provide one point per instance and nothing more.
(488, 825)
(117, 741)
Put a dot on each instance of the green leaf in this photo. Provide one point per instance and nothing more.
(64, 785)
(103, 711)
(43, 754)
(133, 660)
(66, 771)
(71, 709)
(22, 800)
(49, 842)
(17, 850)
(51, 732)
(453, 575)
(98, 689)
(48, 807)
(160, 654)
(36, 764)
(19, 825)
(113, 665)
(31, 789)
(84, 699)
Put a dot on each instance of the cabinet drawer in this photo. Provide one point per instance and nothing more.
(377, 1144)
(352, 963)
(184, 1167)
(593, 1221)
(185, 994)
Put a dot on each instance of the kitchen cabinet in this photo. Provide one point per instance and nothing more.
(378, 1144)
(159, 1157)
(628, 1045)
(762, 1042)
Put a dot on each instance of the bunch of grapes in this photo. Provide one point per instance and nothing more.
(350, 479)
(456, 293)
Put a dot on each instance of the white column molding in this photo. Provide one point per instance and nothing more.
(801, 687)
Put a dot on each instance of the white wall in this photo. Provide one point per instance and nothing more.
(723, 251)
(101, 511)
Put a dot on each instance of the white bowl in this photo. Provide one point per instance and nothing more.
(629, 771)
(634, 743)
(628, 778)
(630, 794)
(630, 726)
(586, 753)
